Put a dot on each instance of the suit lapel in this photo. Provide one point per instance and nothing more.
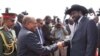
(80, 25)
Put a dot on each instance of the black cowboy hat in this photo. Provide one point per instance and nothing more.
(76, 7)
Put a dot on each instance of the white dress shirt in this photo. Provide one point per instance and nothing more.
(40, 35)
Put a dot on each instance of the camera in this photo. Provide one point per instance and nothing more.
(92, 11)
(98, 12)
(58, 25)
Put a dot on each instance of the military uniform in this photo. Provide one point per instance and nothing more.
(7, 37)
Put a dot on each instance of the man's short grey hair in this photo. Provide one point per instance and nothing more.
(28, 19)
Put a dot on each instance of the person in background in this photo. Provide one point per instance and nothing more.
(69, 23)
(69, 27)
(18, 23)
(47, 27)
(39, 30)
(96, 19)
(59, 33)
(47, 30)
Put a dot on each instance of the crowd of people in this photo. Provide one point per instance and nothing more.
(30, 36)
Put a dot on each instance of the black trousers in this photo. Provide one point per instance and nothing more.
(98, 51)
(68, 50)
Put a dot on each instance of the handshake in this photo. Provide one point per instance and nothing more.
(61, 44)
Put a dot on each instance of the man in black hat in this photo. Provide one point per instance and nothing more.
(84, 37)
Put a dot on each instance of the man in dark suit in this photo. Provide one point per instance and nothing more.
(39, 30)
(84, 38)
(29, 44)
(18, 24)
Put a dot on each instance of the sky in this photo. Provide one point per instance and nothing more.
(41, 8)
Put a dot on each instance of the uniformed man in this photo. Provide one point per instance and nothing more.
(7, 35)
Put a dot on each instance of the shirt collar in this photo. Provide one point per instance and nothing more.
(80, 19)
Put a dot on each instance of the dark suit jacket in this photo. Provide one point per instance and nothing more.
(98, 35)
(42, 36)
(29, 44)
(17, 28)
(84, 40)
